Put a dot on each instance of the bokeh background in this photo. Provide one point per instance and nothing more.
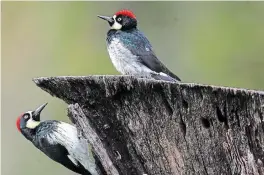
(219, 43)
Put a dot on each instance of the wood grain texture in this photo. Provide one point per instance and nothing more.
(155, 127)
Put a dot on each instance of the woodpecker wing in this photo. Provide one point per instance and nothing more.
(60, 154)
(142, 48)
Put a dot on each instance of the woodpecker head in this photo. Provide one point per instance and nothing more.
(122, 20)
(29, 120)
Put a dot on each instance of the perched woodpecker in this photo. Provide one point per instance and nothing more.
(59, 141)
(130, 51)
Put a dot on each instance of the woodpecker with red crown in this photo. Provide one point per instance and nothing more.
(130, 51)
(59, 141)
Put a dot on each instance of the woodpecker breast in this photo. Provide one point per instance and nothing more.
(122, 58)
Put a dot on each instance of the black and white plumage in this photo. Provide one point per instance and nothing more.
(131, 52)
(59, 141)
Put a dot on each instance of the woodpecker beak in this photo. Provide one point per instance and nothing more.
(107, 18)
(36, 113)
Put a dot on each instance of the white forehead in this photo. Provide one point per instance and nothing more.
(29, 113)
(114, 17)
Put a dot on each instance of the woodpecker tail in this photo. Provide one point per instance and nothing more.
(164, 77)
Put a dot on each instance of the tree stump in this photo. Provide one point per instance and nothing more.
(142, 126)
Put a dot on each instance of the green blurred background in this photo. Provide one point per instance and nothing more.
(219, 43)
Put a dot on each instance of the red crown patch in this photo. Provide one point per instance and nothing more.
(126, 13)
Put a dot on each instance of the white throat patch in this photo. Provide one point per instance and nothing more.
(116, 25)
(32, 124)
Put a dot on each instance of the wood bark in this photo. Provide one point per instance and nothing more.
(140, 126)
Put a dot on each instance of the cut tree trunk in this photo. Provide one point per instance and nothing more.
(140, 126)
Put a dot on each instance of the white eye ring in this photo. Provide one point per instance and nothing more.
(119, 19)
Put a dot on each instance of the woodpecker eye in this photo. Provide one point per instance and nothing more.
(119, 19)
(26, 116)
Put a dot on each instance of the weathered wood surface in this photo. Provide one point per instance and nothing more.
(139, 126)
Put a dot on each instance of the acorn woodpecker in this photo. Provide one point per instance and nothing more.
(130, 51)
(59, 141)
